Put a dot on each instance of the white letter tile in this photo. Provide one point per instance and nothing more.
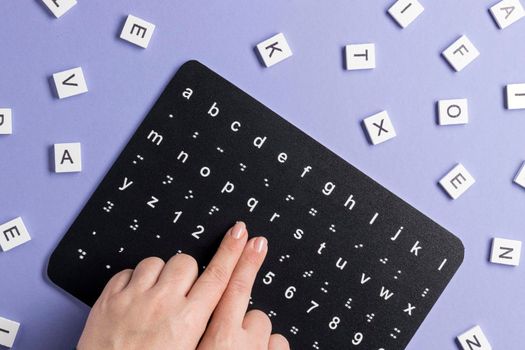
(507, 12)
(70, 82)
(406, 11)
(457, 181)
(13, 234)
(8, 332)
(516, 96)
(461, 53)
(379, 128)
(505, 251)
(137, 31)
(6, 121)
(453, 112)
(59, 7)
(474, 339)
(520, 176)
(274, 50)
(360, 56)
(68, 158)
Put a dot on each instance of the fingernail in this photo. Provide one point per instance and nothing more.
(238, 230)
(260, 243)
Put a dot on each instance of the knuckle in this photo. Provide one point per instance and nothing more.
(224, 341)
(189, 318)
(251, 259)
(118, 279)
(229, 247)
(151, 263)
(217, 274)
(221, 336)
(116, 303)
(186, 260)
(124, 274)
(239, 286)
(260, 318)
(281, 341)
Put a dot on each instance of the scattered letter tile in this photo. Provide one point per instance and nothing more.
(8, 331)
(379, 128)
(274, 50)
(68, 158)
(70, 82)
(516, 96)
(59, 7)
(461, 53)
(474, 339)
(457, 181)
(137, 31)
(453, 112)
(507, 12)
(520, 176)
(405, 11)
(6, 121)
(505, 251)
(360, 56)
(12, 234)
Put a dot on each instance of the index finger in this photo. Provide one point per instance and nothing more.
(209, 287)
(234, 302)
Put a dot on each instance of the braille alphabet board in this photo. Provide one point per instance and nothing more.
(350, 265)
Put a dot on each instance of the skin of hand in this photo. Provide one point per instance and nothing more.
(168, 306)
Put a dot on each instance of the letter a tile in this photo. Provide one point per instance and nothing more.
(507, 12)
(68, 158)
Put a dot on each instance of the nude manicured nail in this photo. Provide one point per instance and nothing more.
(238, 230)
(260, 243)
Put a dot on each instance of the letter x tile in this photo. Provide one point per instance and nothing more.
(379, 128)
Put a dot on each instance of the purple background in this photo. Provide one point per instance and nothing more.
(312, 90)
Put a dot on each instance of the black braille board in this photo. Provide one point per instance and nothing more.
(350, 265)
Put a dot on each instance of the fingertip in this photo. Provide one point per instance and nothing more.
(278, 342)
(260, 244)
(238, 230)
(117, 283)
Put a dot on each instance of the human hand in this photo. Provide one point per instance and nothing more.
(167, 306)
